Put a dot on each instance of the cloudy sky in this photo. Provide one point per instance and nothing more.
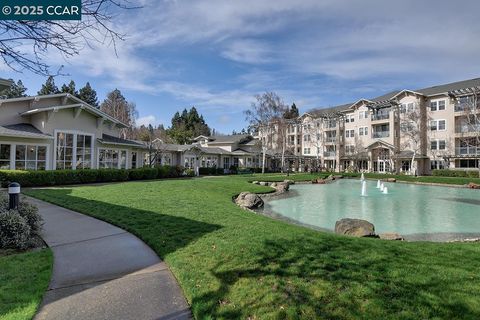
(216, 55)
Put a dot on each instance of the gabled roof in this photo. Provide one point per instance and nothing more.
(23, 130)
(234, 138)
(108, 139)
(380, 142)
(80, 104)
(325, 112)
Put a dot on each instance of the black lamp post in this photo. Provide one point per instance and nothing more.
(13, 195)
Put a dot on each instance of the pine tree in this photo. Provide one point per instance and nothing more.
(187, 125)
(16, 90)
(70, 88)
(89, 95)
(48, 87)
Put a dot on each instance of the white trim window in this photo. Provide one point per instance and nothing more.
(306, 150)
(363, 131)
(112, 158)
(30, 157)
(73, 150)
(437, 105)
(438, 145)
(350, 133)
(306, 138)
(438, 125)
(133, 160)
(5, 156)
(350, 118)
(363, 115)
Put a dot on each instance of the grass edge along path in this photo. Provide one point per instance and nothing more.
(24, 278)
(234, 264)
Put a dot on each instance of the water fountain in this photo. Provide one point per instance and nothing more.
(378, 184)
(385, 190)
(382, 187)
(364, 188)
(362, 177)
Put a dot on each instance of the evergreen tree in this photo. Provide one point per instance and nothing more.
(16, 90)
(89, 95)
(70, 88)
(48, 87)
(291, 113)
(187, 125)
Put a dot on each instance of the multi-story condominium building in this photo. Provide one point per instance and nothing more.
(60, 131)
(411, 131)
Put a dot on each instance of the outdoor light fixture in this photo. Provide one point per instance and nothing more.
(14, 195)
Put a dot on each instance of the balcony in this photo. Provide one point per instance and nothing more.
(467, 151)
(380, 134)
(467, 128)
(380, 116)
(329, 154)
(330, 139)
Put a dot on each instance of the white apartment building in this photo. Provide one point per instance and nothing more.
(435, 127)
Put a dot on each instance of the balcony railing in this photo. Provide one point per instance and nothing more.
(381, 134)
(467, 128)
(380, 116)
(330, 139)
(467, 151)
(329, 154)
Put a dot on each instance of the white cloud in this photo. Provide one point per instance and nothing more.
(146, 120)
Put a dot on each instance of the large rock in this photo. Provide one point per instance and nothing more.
(289, 181)
(472, 185)
(390, 180)
(319, 181)
(390, 236)
(263, 183)
(355, 227)
(282, 187)
(255, 182)
(249, 200)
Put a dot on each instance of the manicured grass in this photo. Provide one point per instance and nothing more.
(234, 264)
(24, 277)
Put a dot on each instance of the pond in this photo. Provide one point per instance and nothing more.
(418, 212)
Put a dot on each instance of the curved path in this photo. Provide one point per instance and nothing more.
(103, 272)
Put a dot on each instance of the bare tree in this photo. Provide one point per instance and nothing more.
(358, 152)
(469, 127)
(66, 37)
(118, 107)
(412, 125)
(313, 130)
(266, 116)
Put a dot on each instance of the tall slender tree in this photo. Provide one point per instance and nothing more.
(70, 88)
(89, 95)
(188, 125)
(48, 87)
(118, 107)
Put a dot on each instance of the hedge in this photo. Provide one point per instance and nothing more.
(63, 177)
(456, 173)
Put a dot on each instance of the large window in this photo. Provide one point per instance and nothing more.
(73, 150)
(5, 156)
(112, 159)
(437, 125)
(134, 160)
(30, 157)
(437, 105)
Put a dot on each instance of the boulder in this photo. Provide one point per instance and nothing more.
(319, 181)
(263, 183)
(390, 180)
(273, 185)
(330, 177)
(255, 182)
(282, 187)
(390, 236)
(337, 177)
(289, 181)
(355, 227)
(472, 185)
(249, 200)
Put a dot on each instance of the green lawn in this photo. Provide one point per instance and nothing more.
(24, 277)
(234, 264)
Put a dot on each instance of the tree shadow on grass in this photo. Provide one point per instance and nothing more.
(337, 278)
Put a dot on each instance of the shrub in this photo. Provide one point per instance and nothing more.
(190, 173)
(14, 230)
(28, 211)
(455, 173)
(109, 175)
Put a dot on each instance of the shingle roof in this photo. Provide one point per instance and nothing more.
(23, 130)
(386, 96)
(108, 139)
(229, 138)
(325, 111)
(444, 88)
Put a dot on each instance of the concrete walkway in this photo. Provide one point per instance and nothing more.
(103, 272)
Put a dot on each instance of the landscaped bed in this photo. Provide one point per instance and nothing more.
(232, 263)
(24, 278)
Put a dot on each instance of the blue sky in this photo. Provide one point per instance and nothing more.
(216, 55)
